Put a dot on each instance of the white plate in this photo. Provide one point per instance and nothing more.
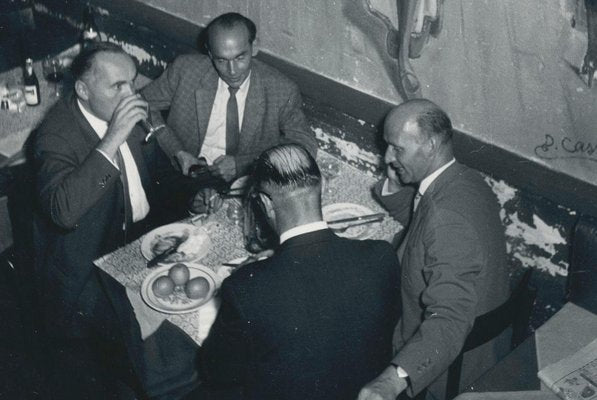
(347, 210)
(194, 248)
(179, 303)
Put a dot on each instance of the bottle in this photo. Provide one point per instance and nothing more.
(90, 32)
(32, 96)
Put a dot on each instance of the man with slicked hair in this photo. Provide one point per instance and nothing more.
(314, 321)
(227, 107)
(453, 254)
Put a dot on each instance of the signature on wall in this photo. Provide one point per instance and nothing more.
(566, 147)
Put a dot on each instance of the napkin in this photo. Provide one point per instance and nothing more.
(149, 320)
(207, 316)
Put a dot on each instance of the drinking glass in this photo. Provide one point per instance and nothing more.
(235, 212)
(53, 72)
(330, 170)
(148, 126)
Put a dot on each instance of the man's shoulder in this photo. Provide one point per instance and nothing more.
(191, 63)
(271, 76)
(59, 121)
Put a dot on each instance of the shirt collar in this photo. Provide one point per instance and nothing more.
(425, 183)
(302, 229)
(99, 126)
(242, 90)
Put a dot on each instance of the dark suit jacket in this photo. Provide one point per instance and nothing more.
(80, 201)
(314, 321)
(453, 269)
(188, 88)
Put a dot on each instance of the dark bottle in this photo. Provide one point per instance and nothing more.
(32, 95)
(90, 32)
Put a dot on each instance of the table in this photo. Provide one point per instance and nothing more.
(570, 329)
(128, 266)
(16, 127)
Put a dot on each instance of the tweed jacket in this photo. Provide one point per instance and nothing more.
(453, 269)
(315, 321)
(188, 88)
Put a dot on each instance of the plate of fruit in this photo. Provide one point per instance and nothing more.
(179, 288)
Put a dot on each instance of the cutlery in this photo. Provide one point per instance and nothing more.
(344, 228)
(231, 264)
(373, 217)
(164, 255)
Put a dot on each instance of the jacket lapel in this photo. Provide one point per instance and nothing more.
(254, 111)
(204, 99)
(423, 207)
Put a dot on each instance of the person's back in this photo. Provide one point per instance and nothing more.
(320, 316)
(314, 321)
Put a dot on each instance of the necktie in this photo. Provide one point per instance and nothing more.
(232, 126)
(417, 199)
(128, 209)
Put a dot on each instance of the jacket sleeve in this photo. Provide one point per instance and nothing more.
(293, 123)
(453, 266)
(399, 204)
(224, 355)
(159, 95)
(67, 189)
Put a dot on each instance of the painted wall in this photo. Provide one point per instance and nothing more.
(506, 71)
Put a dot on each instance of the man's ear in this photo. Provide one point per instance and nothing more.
(255, 46)
(82, 90)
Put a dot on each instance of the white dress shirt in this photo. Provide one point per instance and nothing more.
(139, 203)
(214, 144)
(302, 229)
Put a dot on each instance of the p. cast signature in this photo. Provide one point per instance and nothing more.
(566, 147)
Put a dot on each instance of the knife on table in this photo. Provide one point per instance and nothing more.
(366, 217)
(164, 255)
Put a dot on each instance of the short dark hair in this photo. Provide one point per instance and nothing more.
(230, 20)
(434, 121)
(84, 60)
(288, 166)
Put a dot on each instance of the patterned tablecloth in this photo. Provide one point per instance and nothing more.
(128, 266)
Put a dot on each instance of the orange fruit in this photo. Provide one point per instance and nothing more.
(197, 288)
(179, 273)
(163, 286)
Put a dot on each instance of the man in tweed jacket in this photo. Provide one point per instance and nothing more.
(196, 90)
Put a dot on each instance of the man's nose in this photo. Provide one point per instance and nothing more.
(389, 156)
(128, 89)
(231, 67)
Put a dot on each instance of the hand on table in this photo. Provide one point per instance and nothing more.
(207, 200)
(224, 167)
(387, 386)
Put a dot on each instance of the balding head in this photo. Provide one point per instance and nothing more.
(419, 137)
(424, 114)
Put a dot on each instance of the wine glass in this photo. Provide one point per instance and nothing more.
(147, 124)
(53, 72)
(330, 170)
